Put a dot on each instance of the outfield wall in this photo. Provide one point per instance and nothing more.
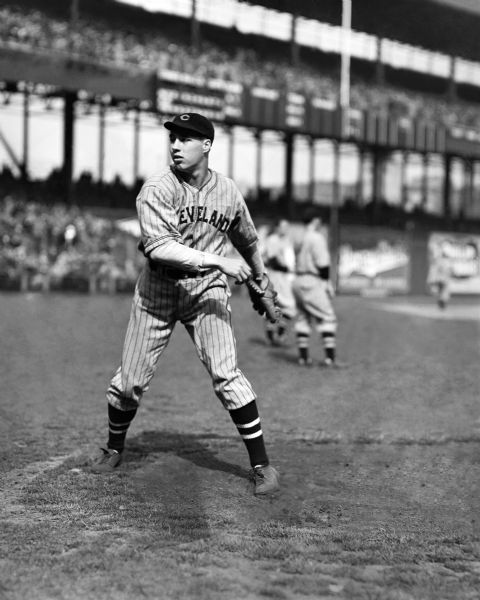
(373, 261)
(381, 261)
(463, 254)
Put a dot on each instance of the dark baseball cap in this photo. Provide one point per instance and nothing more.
(192, 123)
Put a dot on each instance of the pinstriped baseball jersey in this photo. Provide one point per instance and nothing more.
(170, 208)
(279, 257)
(204, 219)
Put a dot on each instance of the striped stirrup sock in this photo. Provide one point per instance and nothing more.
(118, 424)
(329, 344)
(247, 421)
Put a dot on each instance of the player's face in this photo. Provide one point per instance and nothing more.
(188, 152)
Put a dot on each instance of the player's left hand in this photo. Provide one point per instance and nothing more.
(264, 298)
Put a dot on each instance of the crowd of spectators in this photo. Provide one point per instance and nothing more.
(100, 41)
(63, 247)
(46, 244)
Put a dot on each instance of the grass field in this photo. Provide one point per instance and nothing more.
(380, 462)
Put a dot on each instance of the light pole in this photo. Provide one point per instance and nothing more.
(344, 104)
(73, 25)
(194, 28)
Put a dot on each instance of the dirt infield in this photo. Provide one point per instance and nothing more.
(379, 462)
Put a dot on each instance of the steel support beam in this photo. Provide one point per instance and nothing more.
(426, 164)
(289, 146)
(68, 144)
(231, 152)
(101, 143)
(26, 135)
(404, 192)
(334, 228)
(447, 186)
(311, 176)
(136, 145)
(258, 170)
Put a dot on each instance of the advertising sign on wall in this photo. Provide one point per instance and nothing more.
(177, 100)
(463, 254)
(373, 261)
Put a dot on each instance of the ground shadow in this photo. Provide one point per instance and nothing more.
(199, 449)
(282, 355)
(280, 351)
(258, 341)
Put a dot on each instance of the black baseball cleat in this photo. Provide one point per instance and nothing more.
(106, 461)
(266, 480)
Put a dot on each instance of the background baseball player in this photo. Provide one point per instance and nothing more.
(438, 278)
(313, 293)
(279, 257)
(186, 215)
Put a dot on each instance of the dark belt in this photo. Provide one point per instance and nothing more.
(308, 273)
(171, 273)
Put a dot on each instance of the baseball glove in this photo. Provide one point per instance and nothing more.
(264, 298)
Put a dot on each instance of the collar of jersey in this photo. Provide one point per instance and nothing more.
(204, 187)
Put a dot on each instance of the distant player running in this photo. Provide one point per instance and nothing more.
(187, 213)
(438, 279)
(313, 293)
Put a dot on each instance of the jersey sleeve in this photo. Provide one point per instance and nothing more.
(242, 231)
(157, 215)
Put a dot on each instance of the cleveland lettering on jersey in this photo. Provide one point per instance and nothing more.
(193, 214)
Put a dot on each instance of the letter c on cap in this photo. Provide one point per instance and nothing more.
(184, 117)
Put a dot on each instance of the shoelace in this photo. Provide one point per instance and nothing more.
(257, 473)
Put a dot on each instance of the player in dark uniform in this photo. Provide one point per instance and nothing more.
(187, 214)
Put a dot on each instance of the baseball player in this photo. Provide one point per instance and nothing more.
(187, 213)
(279, 258)
(438, 279)
(313, 293)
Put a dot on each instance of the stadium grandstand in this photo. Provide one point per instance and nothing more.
(412, 105)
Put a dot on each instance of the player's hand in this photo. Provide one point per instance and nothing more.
(235, 267)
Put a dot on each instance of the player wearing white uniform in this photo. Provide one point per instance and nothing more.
(187, 213)
(313, 293)
(279, 257)
(438, 279)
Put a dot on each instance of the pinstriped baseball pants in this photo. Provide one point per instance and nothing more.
(202, 304)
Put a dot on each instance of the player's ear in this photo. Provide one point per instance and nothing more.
(207, 145)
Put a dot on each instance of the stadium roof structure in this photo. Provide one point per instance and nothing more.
(452, 28)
